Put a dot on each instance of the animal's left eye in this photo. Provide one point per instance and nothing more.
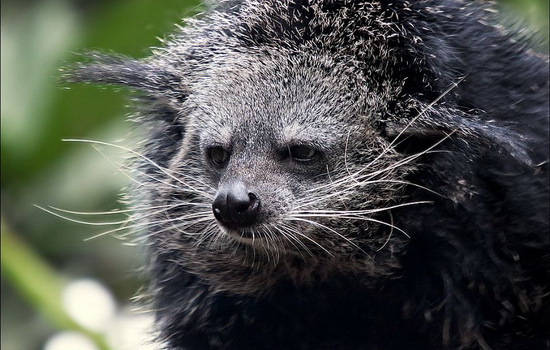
(303, 153)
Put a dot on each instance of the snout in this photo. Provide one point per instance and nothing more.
(235, 206)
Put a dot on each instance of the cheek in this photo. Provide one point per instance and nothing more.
(276, 203)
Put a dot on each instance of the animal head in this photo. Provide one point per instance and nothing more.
(280, 161)
(280, 135)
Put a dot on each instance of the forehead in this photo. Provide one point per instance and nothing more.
(256, 96)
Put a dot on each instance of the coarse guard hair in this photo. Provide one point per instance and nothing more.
(338, 174)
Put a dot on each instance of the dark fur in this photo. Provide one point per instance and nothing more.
(474, 272)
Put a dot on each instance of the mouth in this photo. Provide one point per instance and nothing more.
(248, 235)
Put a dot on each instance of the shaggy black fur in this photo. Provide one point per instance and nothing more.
(474, 273)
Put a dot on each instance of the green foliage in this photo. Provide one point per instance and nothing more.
(39, 284)
(38, 112)
(533, 12)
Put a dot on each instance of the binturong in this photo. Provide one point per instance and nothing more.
(338, 174)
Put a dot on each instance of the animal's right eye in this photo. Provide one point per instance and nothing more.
(218, 155)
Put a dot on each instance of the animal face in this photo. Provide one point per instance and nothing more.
(272, 171)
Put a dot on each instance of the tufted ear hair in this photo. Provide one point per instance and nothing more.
(434, 123)
(160, 95)
(145, 76)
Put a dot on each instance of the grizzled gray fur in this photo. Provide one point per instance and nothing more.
(337, 174)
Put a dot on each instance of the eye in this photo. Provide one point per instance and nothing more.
(302, 153)
(218, 155)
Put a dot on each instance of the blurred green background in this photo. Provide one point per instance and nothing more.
(37, 38)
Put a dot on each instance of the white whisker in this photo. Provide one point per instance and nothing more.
(390, 234)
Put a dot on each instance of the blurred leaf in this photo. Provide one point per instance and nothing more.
(131, 27)
(38, 283)
(32, 44)
(533, 13)
(36, 112)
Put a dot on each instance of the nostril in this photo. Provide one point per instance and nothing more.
(254, 202)
(235, 206)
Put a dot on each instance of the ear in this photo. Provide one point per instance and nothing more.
(160, 95)
(150, 77)
(430, 124)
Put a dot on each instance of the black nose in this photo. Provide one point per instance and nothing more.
(235, 206)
